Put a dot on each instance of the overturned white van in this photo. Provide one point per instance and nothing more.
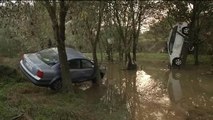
(175, 43)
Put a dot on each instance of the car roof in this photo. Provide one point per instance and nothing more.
(71, 53)
(74, 54)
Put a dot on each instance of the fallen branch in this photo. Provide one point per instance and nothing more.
(18, 116)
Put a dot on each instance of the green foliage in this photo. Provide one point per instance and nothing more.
(8, 43)
(8, 74)
(178, 11)
(24, 28)
(83, 26)
(157, 32)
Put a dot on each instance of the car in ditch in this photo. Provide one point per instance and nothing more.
(43, 67)
(176, 42)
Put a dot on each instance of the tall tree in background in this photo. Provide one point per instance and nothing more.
(128, 17)
(57, 11)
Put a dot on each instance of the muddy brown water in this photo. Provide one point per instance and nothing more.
(154, 92)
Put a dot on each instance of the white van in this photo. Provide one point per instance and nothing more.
(175, 43)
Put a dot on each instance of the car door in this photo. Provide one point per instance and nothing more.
(87, 69)
(75, 70)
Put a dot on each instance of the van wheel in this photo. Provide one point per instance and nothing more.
(177, 61)
(56, 85)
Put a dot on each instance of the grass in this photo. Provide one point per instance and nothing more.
(20, 98)
(28, 101)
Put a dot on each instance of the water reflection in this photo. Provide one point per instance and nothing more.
(174, 87)
(137, 92)
(188, 95)
(154, 93)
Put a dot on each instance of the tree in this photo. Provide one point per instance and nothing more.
(199, 7)
(57, 11)
(86, 23)
(95, 31)
(128, 18)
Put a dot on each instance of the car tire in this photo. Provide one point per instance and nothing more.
(185, 30)
(56, 85)
(177, 61)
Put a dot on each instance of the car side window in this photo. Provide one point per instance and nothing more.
(86, 64)
(74, 64)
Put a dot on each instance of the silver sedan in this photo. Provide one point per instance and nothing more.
(43, 67)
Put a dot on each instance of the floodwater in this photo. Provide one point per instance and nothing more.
(154, 92)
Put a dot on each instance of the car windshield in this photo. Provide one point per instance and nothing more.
(49, 56)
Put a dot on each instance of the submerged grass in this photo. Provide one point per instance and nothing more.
(159, 57)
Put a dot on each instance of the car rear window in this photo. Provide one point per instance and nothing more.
(49, 56)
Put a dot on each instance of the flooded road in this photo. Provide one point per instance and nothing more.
(154, 92)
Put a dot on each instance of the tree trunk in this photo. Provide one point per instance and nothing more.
(94, 43)
(193, 31)
(134, 48)
(59, 35)
(120, 52)
(109, 52)
(130, 64)
(62, 50)
(97, 80)
(196, 54)
(66, 78)
(133, 31)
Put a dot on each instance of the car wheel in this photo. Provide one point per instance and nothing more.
(185, 30)
(56, 85)
(177, 61)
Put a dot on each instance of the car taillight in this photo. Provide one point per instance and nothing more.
(40, 74)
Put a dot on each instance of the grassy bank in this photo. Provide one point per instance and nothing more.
(24, 100)
(20, 99)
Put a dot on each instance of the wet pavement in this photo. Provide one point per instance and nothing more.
(154, 92)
